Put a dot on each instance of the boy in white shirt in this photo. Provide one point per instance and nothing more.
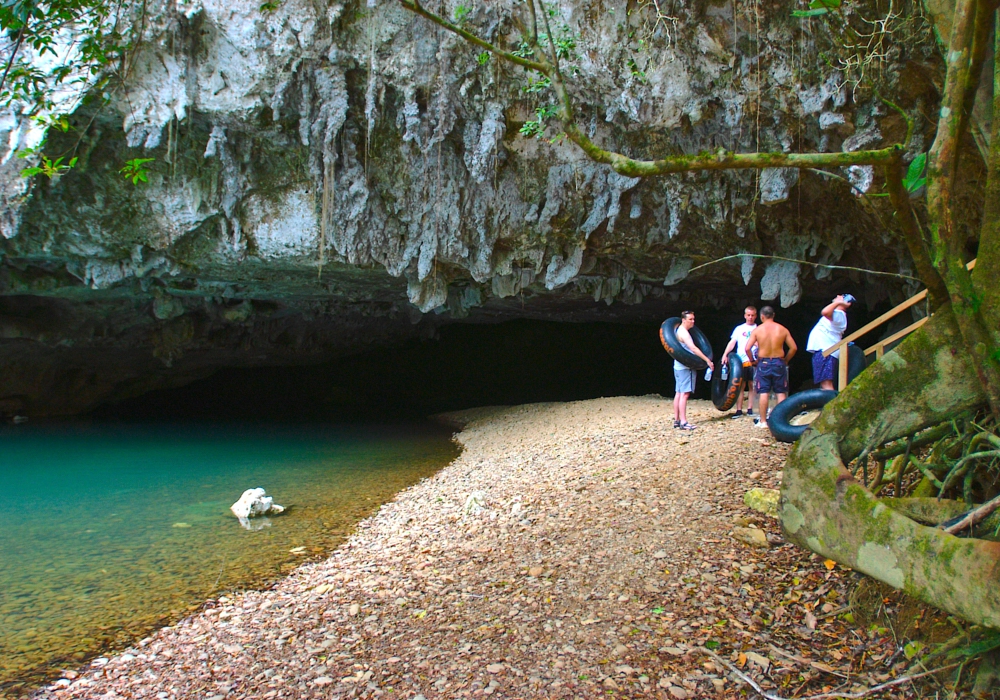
(738, 341)
(827, 333)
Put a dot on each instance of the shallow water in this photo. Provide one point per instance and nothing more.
(108, 530)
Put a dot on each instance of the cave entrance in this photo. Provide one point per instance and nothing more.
(462, 365)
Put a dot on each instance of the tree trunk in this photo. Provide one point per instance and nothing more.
(926, 380)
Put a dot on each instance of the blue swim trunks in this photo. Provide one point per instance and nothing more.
(824, 368)
(771, 375)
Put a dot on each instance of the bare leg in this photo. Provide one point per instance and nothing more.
(762, 405)
(677, 405)
(753, 395)
(781, 397)
(683, 407)
(826, 384)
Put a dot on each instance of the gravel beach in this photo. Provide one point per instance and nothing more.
(573, 550)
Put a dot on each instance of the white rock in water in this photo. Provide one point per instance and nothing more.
(255, 502)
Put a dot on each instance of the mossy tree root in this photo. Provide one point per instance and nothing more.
(824, 508)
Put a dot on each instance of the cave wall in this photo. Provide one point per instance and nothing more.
(331, 176)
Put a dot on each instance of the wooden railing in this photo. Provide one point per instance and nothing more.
(879, 347)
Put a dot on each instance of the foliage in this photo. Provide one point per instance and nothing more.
(536, 127)
(136, 170)
(81, 40)
(462, 13)
(48, 167)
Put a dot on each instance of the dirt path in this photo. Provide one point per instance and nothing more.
(573, 550)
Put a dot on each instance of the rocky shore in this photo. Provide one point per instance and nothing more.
(573, 550)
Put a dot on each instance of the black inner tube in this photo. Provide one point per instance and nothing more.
(781, 416)
(668, 336)
(726, 391)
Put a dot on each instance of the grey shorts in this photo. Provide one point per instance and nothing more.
(685, 379)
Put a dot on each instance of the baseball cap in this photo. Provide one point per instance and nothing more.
(849, 298)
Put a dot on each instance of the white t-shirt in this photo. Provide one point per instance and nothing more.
(827, 332)
(741, 334)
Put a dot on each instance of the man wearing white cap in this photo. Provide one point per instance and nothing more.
(827, 333)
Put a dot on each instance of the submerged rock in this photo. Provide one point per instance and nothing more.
(255, 502)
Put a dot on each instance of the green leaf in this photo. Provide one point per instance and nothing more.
(135, 170)
(712, 644)
(809, 13)
(915, 178)
(913, 649)
(825, 4)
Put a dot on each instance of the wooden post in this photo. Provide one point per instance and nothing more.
(842, 378)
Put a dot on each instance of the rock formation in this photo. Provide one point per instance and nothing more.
(331, 176)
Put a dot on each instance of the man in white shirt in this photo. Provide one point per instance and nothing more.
(738, 341)
(827, 333)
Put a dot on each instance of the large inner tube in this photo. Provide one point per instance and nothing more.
(856, 362)
(782, 421)
(726, 391)
(668, 336)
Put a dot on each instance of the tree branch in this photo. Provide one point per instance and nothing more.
(900, 198)
(980, 44)
(415, 6)
(942, 161)
(13, 55)
(974, 516)
(824, 696)
(631, 167)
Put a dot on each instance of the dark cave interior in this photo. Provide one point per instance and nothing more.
(463, 366)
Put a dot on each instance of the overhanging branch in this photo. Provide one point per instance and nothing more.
(632, 167)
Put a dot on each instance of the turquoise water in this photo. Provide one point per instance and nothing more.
(108, 530)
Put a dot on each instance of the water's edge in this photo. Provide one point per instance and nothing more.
(319, 546)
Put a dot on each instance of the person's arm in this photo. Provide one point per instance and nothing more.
(751, 341)
(688, 341)
(729, 349)
(792, 347)
(828, 310)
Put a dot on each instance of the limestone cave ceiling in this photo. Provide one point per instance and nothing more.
(328, 177)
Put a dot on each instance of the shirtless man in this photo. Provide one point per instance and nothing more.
(772, 360)
(684, 376)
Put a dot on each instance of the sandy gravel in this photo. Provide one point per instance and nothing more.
(602, 553)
